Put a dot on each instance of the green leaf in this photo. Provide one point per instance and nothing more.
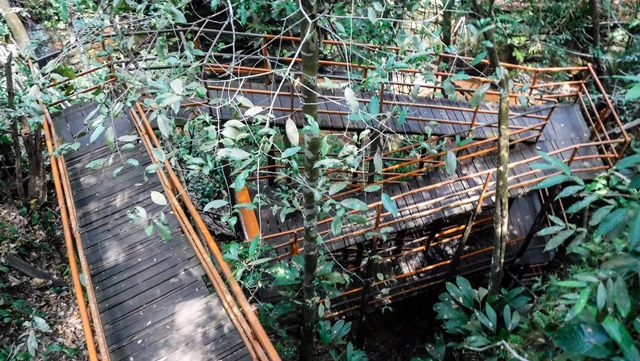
(515, 320)
(484, 320)
(572, 284)
(95, 163)
(159, 154)
(458, 296)
(634, 231)
(618, 332)
(569, 191)
(371, 13)
(163, 230)
(292, 132)
(372, 188)
(557, 163)
(635, 182)
(40, 324)
(622, 300)
(466, 289)
(558, 239)
(478, 58)
(232, 153)
(491, 315)
(96, 133)
(352, 101)
(585, 202)
(374, 106)
(506, 315)
(240, 180)
(356, 204)
(633, 93)
(177, 85)
(216, 204)
(611, 222)
(450, 163)
(328, 162)
(289, 152)
(158, 198)
(579, 305)
(128, 138)
(377, 162)
(32, 343)
(583, 339)
(601, 296)
(552, 181)
(599, 215)
(165, 125)
(336, 225)
(550, 230)
(177, 15)
(110, 137)
(389, 204)
(253, 111)
(402, 117)
(337, 187)
(627, 162)
(479, 95)
(153, 167)
(477, 341)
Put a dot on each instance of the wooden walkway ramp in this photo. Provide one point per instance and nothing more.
(154, 300)
(427, 198)
(432, 206)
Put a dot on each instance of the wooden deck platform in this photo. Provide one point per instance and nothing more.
(425, 199)
(427, 261)
(424, 115)
(153, 295)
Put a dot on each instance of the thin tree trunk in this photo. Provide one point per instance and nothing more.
(597, 51)
(501, 213)
(15, 137)
(37, 188)
(15, 24)
(501, 201)
(446, 21)
(311, 174)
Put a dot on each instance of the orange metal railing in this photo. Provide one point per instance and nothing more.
(230, 292)
(90, 318)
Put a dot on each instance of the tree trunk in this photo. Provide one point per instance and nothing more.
(501, 200)
(312, 145)
(37, 188)
(446, 22)
(597, 51)
(501, 213)
(15, 137)
(15, 24)
(32, 139)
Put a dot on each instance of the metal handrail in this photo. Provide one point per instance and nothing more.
(233, 296)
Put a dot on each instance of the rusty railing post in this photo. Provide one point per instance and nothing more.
(544, 124)
(469, 227)
(267, 63)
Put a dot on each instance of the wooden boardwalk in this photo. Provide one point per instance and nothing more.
(153, 295)
(424, 115)
(419, 250)
(422, 208)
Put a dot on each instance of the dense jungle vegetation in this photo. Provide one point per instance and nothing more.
(585, 304)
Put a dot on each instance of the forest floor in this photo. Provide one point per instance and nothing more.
(39, 320)
(400, 333)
